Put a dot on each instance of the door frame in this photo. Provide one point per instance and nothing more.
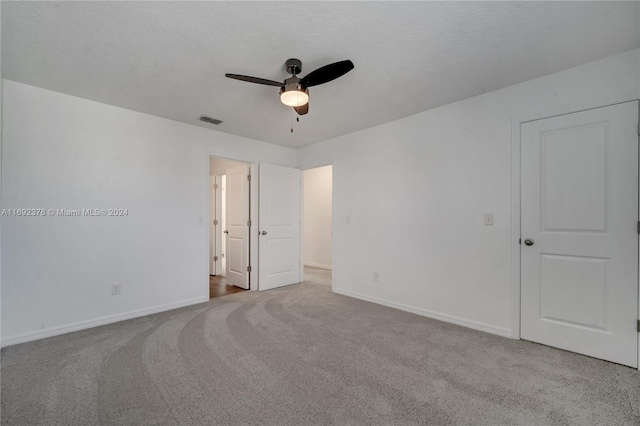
(216, 233)
(253, 217)
(333, 216)
(516, 142)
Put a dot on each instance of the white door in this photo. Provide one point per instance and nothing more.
(237, 226)
(217, 222)
(579, 253)
(279, 238)
(214, 225)
(223, 224)
(215, 228)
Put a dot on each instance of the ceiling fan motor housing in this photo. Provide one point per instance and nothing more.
(293, 66)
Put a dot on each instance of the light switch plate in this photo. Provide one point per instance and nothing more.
(488, 218)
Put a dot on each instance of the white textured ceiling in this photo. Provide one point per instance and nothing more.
(169, 58)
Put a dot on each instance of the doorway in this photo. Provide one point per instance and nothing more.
(229, 213)
(579, 252)
(318, 225)
(262, 243)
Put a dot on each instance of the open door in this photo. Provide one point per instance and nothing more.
(212, 228)
(279, 240)
(237, 224)
(215, 234)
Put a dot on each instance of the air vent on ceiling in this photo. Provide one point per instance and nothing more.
(210, 120)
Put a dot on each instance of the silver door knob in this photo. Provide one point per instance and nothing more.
(528, 242)
(264, 232)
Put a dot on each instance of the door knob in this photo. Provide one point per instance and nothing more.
(528, 242)
(264, 232)
(225, 231)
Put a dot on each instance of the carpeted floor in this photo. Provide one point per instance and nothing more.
(302, 355)
(315, 275)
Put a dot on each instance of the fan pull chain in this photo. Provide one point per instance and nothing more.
(297, 121)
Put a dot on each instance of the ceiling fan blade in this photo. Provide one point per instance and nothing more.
(254, 80)
(302, 110)
(327, 73)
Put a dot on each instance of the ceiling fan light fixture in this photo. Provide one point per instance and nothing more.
(294, 95)
(294, 92)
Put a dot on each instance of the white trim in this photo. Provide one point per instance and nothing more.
(515, 228)
(516, 123)
(301, 263)
(317, 265)
(254, 285)
(333, 223)
(476, 325)
(109, 319)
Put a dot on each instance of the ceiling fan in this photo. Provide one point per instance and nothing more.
(294, 91)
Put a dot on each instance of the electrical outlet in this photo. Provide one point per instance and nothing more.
(376, 276)
(115, 289)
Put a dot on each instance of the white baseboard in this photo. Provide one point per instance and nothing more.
(83, 325)
(317, 265)
(476, 325)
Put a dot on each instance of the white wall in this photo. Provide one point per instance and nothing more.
(219, 166)
(416, 190)
(1, 84)
(317, 216)
(61, 151)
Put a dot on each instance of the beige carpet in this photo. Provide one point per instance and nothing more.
(302, 355)
(315, 275)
